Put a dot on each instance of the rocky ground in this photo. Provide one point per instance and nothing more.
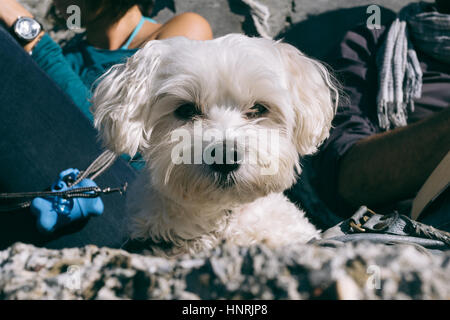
(314, 26)
(227, 16)
(362, 271)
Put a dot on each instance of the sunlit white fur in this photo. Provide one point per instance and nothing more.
(184, 204)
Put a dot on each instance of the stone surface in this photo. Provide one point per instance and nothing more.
(313, 26)
(227, 16)
(361, 271)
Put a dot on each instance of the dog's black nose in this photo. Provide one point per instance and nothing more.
(224, 168)
(230, 160)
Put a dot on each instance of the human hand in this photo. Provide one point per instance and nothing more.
(10, 10)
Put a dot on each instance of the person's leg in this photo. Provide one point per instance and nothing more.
(42, 133)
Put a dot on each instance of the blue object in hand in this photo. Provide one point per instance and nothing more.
(54, 212)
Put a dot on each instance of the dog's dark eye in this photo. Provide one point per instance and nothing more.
(256, 111)
(187, 111)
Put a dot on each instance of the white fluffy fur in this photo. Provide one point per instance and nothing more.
(183, 204)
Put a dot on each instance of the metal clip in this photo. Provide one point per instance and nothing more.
(365, 218)
(357, 226)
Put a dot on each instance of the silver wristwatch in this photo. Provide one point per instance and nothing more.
(26, 29)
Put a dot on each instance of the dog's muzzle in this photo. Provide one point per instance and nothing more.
(228, 158)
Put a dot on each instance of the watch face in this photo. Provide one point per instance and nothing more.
(27, 28)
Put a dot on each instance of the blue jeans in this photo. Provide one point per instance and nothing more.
(42, 133)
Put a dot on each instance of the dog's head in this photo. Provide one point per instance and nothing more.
(219, 120)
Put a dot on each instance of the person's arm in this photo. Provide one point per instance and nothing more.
(393, 165)
(188, 24)
(10, 10)
(48, 55)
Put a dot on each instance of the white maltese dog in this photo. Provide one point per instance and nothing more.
(222, 125)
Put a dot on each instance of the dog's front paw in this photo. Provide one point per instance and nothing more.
(272, 220)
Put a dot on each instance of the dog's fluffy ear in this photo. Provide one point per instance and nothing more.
(122, 100)
(314, 95)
